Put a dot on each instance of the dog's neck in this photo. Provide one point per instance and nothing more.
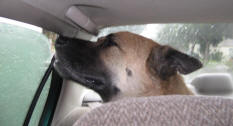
(174, 85)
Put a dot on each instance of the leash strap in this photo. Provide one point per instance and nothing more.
(38, 92)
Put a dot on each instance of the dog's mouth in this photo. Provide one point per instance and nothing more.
(98, 81)
(80, 62)
(94, 81)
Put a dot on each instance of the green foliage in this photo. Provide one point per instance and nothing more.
(50, 35)
(175, 35)
(191, 37)
(216, 56)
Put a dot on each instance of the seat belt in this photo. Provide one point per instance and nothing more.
(38, 92)
(52, 100)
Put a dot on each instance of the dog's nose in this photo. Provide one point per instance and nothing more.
(62, 41)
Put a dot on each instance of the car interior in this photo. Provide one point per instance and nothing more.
(87, 19)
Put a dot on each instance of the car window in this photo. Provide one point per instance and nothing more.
(212, 44)
(24, 57)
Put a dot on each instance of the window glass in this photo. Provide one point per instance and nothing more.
(212, 44)
(24, 57)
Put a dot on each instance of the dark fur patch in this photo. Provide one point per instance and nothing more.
(79, 60)
(128, 72)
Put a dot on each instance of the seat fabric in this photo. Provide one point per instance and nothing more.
(173, 110)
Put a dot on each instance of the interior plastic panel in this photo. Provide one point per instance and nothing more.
(71, 98)
(75, 15)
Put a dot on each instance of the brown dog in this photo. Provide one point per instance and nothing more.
(124, 65)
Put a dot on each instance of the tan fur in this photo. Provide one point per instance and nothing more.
(132, 52)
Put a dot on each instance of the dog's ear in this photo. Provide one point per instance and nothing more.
(165, 61)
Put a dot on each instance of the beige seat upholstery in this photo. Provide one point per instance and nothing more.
(71, 117)
(173, 110)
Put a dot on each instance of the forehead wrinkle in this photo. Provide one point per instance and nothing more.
(134, 47)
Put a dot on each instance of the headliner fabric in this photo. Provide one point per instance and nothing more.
(173, 110)
(51, 14)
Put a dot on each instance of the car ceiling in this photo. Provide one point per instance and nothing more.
(67, 16)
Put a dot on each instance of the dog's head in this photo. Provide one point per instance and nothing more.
(121, 64)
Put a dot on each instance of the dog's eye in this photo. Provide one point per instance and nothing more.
(109, 41)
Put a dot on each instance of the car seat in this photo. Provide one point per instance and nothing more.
(173, 110)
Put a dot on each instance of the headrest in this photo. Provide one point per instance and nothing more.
(213, 83)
